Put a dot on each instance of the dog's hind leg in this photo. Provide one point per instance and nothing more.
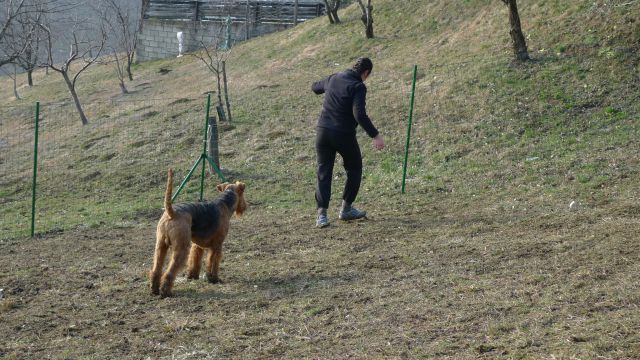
(158, 261)
(178, 259)
(195, 261)
(213, 264)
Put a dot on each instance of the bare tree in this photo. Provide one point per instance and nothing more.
(82, 49)
(10, 47)
(27, 32)
(519, 43)
(28, 60)
(332, 7)
(214, 57)
(14, 76)
(15, 82)
(120, 67)
(21, 37)
(367, 18)
(124, 27)
(226, 90)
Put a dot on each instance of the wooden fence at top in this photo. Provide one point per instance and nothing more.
(257, 11)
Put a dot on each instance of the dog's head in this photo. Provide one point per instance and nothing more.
(238, 188)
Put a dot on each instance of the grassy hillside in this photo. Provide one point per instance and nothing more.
(482, 257)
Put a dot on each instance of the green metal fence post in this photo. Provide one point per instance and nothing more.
(35, 171)
(216, 169)
(186, 179)
(406, 148)
(203, 157)
(204, 145)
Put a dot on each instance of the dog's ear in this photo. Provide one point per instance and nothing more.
(240, 186)
(222, 187)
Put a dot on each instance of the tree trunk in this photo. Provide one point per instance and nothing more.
(129, 69)
(123, 88)
(369, 17)
(226, 90)
(329, 14)
(246, 21)
(15, 90)
(120, 73)
(213, 149)
(332, 11)
(519, 42)
(15, 83)
(76, 100)
(331, 21)
(219, 80)
(30, 77)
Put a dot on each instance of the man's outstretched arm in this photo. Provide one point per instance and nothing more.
(319, 86)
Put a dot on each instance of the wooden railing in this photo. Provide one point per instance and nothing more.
(257, 11)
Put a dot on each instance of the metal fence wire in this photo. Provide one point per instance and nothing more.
(84, 154)
(451, 119)
(117, 131)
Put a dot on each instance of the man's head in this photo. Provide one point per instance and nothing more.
(363, 67)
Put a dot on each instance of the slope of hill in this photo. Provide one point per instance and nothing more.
(482, 257)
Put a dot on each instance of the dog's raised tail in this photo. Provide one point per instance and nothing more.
(167, 196)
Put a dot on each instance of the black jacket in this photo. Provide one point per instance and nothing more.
(344, 103)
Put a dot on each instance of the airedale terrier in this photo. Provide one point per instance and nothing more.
(204, 224)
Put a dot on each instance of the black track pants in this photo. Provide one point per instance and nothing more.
(328, 143)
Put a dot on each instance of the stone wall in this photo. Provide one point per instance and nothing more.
(158, 39)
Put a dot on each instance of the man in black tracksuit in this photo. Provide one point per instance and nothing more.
(343, 109)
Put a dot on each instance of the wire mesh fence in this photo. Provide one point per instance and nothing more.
(118, 133)
(85, 154)
(472, 106)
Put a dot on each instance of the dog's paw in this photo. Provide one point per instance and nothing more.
(193, 276)
(214, 279)
(165, 291)
(155, 289)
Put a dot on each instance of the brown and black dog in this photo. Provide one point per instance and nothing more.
(204, 224)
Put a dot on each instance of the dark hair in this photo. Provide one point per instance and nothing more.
(363, 64)
(205, 216)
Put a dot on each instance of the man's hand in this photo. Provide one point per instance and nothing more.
(378, 142)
